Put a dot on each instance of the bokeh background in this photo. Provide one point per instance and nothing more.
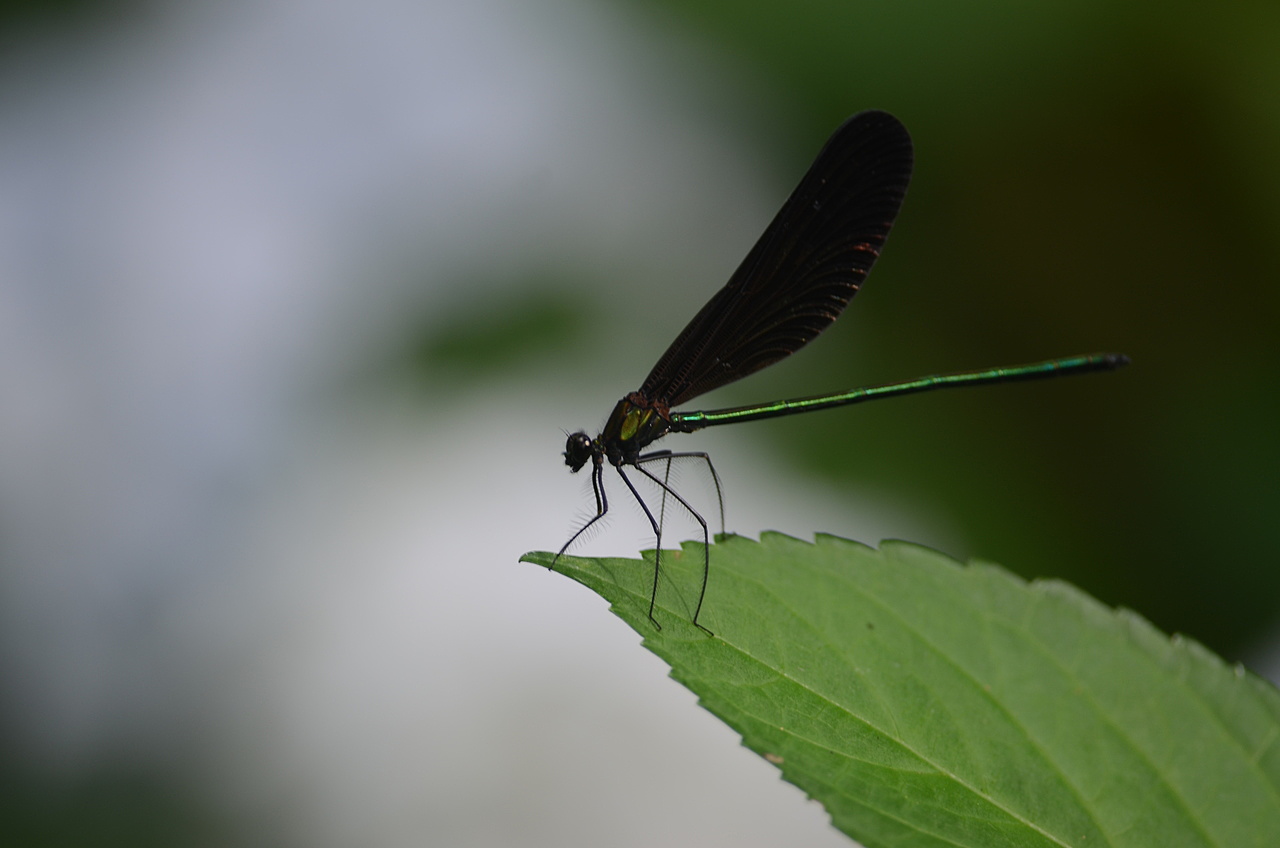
(297, 300)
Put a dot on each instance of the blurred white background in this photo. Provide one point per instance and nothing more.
(235, 559)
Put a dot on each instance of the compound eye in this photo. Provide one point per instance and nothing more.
(577, 450)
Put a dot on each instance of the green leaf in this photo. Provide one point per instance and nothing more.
(924, 702)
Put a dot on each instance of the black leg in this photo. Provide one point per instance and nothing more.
(705, 457)
(706, 537)
(657, 532)
(666, 482)
(602, 506)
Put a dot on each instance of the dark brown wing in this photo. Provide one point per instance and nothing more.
(804, 269)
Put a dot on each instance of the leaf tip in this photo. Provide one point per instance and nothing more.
(543, 558)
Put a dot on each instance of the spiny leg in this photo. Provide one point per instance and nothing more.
(706, 539)
(602, 506)
(657, 532)
(705, 457)
(666, 481)
(715, 479)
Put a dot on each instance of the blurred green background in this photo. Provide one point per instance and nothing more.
(1091, 176)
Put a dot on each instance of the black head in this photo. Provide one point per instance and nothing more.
(577, 450)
